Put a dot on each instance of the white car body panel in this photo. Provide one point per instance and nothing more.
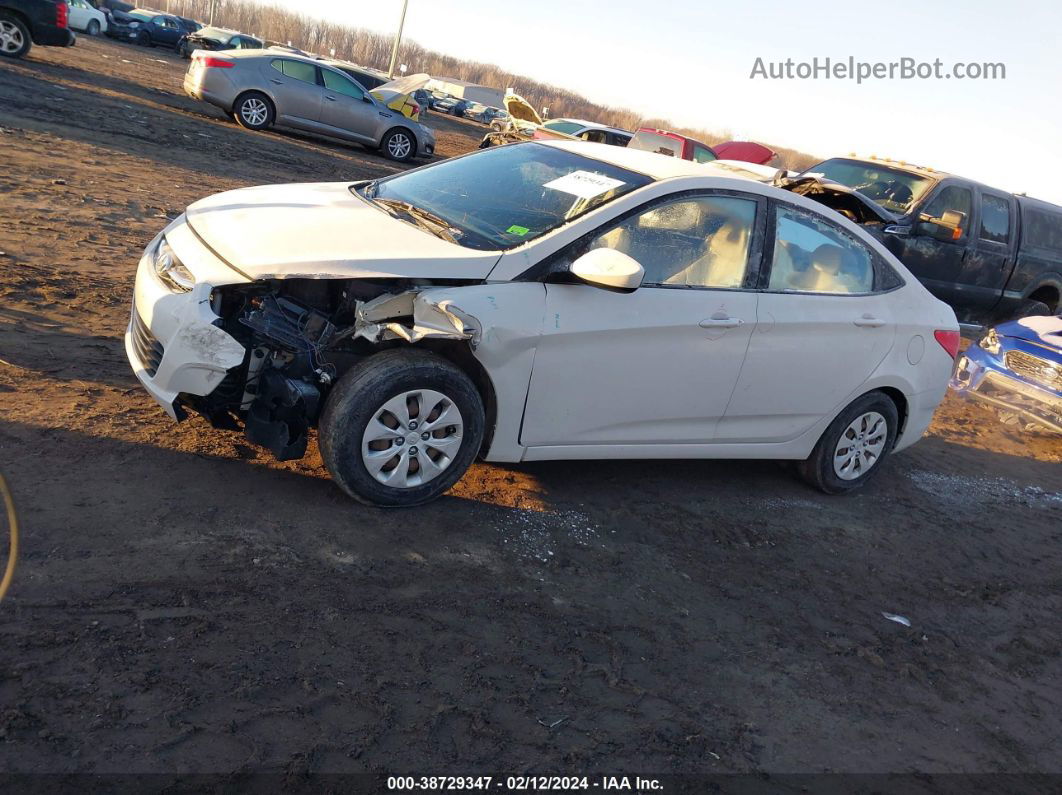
(80, 17)
(577, 371)
(324, 231)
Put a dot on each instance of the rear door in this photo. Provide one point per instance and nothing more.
(348, 109)
(294, 86)
(823, 325)
(655, 367)
(990, 260)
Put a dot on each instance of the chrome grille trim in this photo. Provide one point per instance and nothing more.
(1035, 369)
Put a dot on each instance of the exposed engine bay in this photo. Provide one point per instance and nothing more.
(301, 335)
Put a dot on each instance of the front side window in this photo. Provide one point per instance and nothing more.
(501, 197)
(995, 218)
(702, 154)
(692, 242)
(336, 82)
(814, 256)
(954, 198)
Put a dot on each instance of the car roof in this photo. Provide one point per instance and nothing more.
(651, 164)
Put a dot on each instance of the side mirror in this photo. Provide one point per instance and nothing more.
(947, 227)
(609, 269)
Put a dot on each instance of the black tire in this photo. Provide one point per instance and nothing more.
(143, 39)
(93, 28)
(818, 469)
(17, 28)
(357, 399)
(392, 147)
(1030, 307)
(247, 111)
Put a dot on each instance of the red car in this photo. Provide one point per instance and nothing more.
(672, 144)
(747, 151)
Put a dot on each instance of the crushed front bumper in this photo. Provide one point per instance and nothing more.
(985, 377)
(171, 341)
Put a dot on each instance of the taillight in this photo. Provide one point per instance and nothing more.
(416, 109)
(62, 15)
(949, 341)
(210, 62)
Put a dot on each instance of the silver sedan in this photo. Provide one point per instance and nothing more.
(261, 88)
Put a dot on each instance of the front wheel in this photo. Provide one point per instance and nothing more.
(399, 144)
(253, 111)
(143, 39)
(14, 37)
(852, 448)
(93, 28)
(401, 428)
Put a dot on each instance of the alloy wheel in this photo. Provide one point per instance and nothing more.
(10, 37)
(412, 438)
(399, 146)
(860, 445)
(254, 111)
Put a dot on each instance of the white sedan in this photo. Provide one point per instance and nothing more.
(539, 301)
(83, 16)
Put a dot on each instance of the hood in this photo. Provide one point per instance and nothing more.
(1043, 330)
(324, 231)
(398, 94)
(838, 197)
(407, 84)
(520, 109)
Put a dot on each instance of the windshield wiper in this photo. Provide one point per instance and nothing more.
(423, 218)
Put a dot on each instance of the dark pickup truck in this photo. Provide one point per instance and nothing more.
(991, 255)
(26, 22)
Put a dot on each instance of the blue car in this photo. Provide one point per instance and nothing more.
(1017, 367)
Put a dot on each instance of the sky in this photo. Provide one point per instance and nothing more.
(690, 61)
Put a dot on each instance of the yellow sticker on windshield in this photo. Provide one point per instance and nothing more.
(517, 230)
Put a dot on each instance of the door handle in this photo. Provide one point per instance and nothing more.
(276, 82)
(869, 321)
(330, 98)
(720, 320)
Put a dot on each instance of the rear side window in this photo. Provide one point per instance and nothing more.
(1041, 229)
(341, 85)
(953, 197)
(298, 70)
(995, 218)
(702, 154)
(812, 255)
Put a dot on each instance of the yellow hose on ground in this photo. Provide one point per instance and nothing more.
(12, 552)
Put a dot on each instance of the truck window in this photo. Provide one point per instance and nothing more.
(995, 218)
(1041, 229)
(952, 197)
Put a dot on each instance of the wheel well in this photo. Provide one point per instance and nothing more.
(897, 397)
(265, 96)
(1047, 294)
(460, 355)
(17, 15)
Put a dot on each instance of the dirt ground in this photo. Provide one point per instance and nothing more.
(184, 603)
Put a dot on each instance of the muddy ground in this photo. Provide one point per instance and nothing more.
(184, 603)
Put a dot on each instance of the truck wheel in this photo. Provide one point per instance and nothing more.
(253, 111)
(851, 450)
(399, 144)
(1031, 308)
(401, 428)
(14, 36)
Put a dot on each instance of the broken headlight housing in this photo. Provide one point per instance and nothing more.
(170, 270)
(990, 341)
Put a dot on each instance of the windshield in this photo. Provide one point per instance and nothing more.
(501, 197)
(143, 16)
(566, 127)
(214, 33)
(891, 188)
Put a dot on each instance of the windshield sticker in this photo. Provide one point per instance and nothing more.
(584, 184)
(517, 230)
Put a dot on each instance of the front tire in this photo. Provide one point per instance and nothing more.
(93, 28)
(14, 36)
(852, 449)
(400, 428)
(143, 39)
(399, 144)
(253, 111)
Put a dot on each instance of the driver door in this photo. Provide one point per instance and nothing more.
(348, 109)
(657, 366)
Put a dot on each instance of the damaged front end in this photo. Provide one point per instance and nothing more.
(301, 335)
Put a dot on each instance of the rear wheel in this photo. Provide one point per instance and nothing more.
(852, 448)
(401, 428)
(1030, 307)
(253, 111)
(399, 144)
(14, 36)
